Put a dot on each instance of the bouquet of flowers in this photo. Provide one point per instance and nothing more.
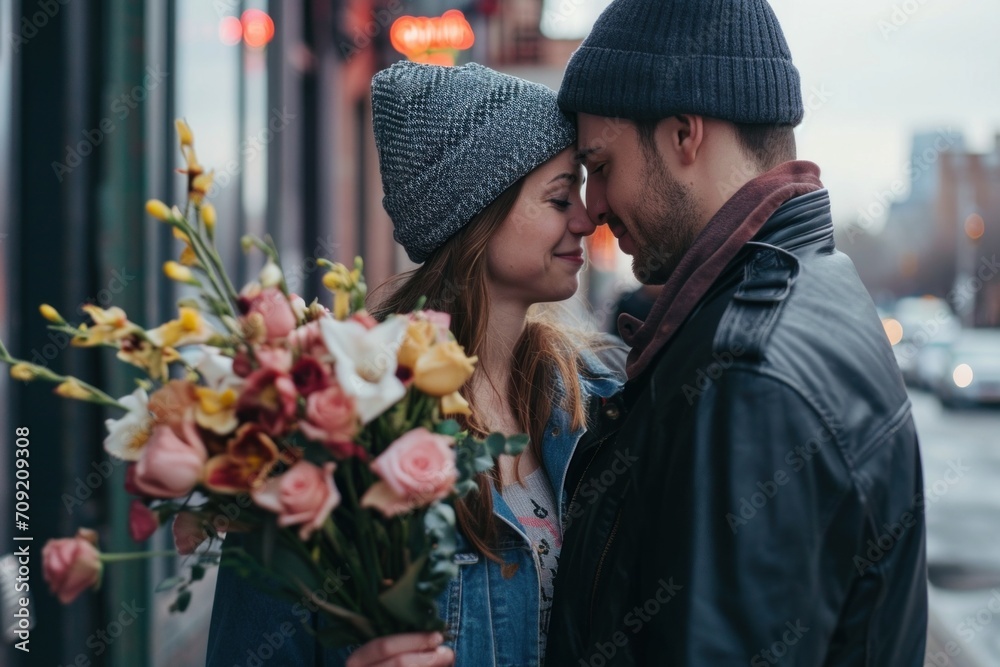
(319, 433)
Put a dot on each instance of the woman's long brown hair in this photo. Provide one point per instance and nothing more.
(454, 280)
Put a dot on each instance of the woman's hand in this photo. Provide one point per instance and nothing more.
(421, 649)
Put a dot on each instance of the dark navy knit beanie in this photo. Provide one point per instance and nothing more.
(652, 59)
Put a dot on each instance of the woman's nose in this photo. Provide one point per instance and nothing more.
(581, 223)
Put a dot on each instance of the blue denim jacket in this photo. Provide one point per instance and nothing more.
(492, 619)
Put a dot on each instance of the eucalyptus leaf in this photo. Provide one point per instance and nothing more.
(169, 583)
(448, 427)
(496, 444)
(517, 443)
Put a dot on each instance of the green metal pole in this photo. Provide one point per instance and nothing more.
(122, 232)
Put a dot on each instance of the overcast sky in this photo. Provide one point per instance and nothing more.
(887, 68)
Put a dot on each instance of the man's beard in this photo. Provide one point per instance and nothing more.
(664, 224)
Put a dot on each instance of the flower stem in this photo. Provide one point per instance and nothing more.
(133, 555)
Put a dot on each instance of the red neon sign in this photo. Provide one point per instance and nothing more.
(435, 40)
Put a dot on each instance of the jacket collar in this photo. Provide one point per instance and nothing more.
(799, 221)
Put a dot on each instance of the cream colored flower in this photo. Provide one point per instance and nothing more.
(128, 435)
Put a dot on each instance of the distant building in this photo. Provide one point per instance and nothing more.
(943, 237)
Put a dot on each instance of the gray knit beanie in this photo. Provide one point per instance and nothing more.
(652, 59)
(451, 139)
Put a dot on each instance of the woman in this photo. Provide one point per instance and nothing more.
(482, 188)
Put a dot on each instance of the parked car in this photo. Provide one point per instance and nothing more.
(972, 373)
(914, 323)
(932, 363)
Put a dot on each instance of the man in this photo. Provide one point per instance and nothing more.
(757, 498)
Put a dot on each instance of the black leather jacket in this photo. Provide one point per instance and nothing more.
(755, 497)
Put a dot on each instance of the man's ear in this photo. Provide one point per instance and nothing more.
(687, 132)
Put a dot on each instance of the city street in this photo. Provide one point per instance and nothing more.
(961, 455)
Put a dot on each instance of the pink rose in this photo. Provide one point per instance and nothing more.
(279, 318)
(268, 399)
(72, 565)
(188, 533)
(330, 415)
(130, 486)
(308, 340)
(416, 470)
(169, 466)
(273, 358)
(142, 521)
(303, 495)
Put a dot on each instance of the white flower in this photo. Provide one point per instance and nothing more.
(128, 435)
(213, 366)
(366, 362)
(216, 406)
(270, 275)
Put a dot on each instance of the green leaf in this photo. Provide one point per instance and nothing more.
(517, 443)
(403, 600)
(197, 572)
(496, 444)
(169, 583)
(448, 427)
(183, 600)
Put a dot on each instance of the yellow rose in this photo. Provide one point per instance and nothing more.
(455, 404)
(420, 335)
(443, 369)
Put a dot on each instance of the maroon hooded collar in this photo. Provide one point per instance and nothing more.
(736, 223)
